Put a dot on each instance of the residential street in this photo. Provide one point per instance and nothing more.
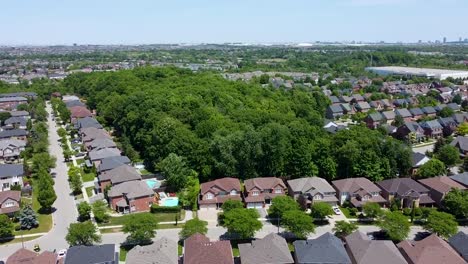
(65, 212)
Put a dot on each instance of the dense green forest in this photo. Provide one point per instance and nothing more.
(224, 128)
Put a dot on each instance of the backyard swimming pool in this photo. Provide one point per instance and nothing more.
(153, 183)
(170, 201)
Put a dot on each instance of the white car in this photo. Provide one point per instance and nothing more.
(336, 210)
(62, 253)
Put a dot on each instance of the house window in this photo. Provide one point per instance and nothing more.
(255, 193)
(9, 204)
(318, 197)
(233, 192)
(6, 185)
(209, 196)
(278, 190)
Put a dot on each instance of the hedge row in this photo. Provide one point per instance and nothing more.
(165, 209)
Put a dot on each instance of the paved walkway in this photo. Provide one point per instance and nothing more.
(65, 210)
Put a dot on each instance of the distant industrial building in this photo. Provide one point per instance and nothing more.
(419, 72)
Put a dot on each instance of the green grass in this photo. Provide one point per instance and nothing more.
(235, 249)
(90, 191)
(45, 219)
(118, 229)
(123, 253)
(291, 247)
(144, 172)
(180, 249)
(160, 217)
(79, 162)
(87, 176)
(346, 212)
(79, 196)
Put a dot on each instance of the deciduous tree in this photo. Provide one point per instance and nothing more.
(321, 210)
(432, 168)
(192, 227)
(242, 222)
(82, 234)
(6, 226)
(395, 225)
(443, 224)
(456, 203)
(282, 204)
(140, 228)
(298, 223)
(343, 228)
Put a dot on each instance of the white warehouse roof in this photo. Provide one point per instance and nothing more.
(423, 72)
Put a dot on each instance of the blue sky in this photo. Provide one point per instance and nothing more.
(217, 21)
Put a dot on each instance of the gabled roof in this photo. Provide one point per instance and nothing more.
(416, 111)
(123, 173)
(272, 249)
(310, 185)
(263, 183)
(101, 143)
(335, 109)
(453, 106)
(431, 124)
(366, 251)
(447, 121)
(428, 110)
(363, 105)
(412, 126)
(12, 143)
(13, 133)
(441, 184)
(25, 256)
(460, 117)
(334, 99)
(19, 113)
(162, 251)
(461, 178)
(461, 142)
(91, 254)
(346, 107)
(327, 248)
(80, 112)
(226, 184)
(131, 189)
(74, 103)
(13, 195)
(430, 250)
(353, 185)
(418, 159)
(375, 117)
(460, 243)
(87, 122)
(91, 133)
(403, 112)
(16, 120)
(358, 97)
(113, 162)
(9, 170)
(103, 153)
(199, 249)
(402, 186)
(389, 115)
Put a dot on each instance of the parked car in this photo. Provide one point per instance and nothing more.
(37, 248)
(336, 210)
(81, 154)
(62, 253)
(53, 174)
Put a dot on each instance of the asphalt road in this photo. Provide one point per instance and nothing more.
(65, 209)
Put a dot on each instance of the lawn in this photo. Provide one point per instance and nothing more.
(160, 217)
(17, 240)
(163, 226)
(45, 220)
(123, 253)
(90, 191)
(87, 176)
(79, 162)
(346, 212)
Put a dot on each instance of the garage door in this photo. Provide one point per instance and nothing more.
(207, 206)
(255, 205)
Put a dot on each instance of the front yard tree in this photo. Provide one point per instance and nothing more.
(443, 224)
(321, 210)
(192, 227)
(372, 210)
(84, 209)
(463, 128)
(140, 228)
(456, 203)
(82, 234)
(6, 226)
(395, 225)
(46, 196)
(100, 212)
(75, 183)
(189, 195)
(343, 228)
(282, 204)
(449, 155)
(242, 222)
(176, 170)
(298, 223)
(27, 218)
(432, 168)
(231, 204)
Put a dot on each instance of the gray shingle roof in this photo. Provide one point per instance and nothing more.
(113, 162)
(389, 115)
(8, 170)
(428, 110)
(327, 248)
(403, 112)
(376, 117)
(13, 99)
(13, 133)
(271, 249)
(460, 243)
(16, 120)
(73, 103)
(461, 178)
(19, 113)
(461, 142)
(120, 174)
(162, 251)
(131, 189)
(92, 255)
(416, 111)
(310, 185)
(402, 186)
(103, 153)
(87, 122)
(335, 109)
(431, 124)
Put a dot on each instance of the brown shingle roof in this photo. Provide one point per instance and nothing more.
(80, 112)
(263, 183)
(25, 256)
(353, 185)
(199, 249)
(225, 184)
(431, 250)
(442, 184)
(14, 195)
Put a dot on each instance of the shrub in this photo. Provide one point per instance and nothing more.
(164, 209)
(353, 211)
(407, 211)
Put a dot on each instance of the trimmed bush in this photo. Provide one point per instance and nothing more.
(164, 209)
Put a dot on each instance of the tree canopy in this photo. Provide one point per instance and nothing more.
(321, 210)
(140, 228)
(192, 227)
(343, 228)
(443, 224)
(432, 168)
(298, 223)
(282, 204)
(82, 234)
(456, 203)
(242, 222)
(395, 225)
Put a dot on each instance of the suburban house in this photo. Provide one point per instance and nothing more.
(26, 256)
(453, 106)
(95, 156)
(407, 190)
(92, 254)
(78, 112)
(440, 186)
(15, 123)
(461, 178)
(432, 129)
(100, 143)
(11, 175)
(430, 250)
(429, 111)
(461, 143)
(460, 118)
(73, 103)
(358, 191)
(162, 251)
(373, 120)
(259, 192)
(362, 107)
(460, 243)
(131, 196)
(199, 249)
(404, 113)
(10, 149)
(272, 249)
(449, 125)
(112, 163)
(18, 134)
(362, 250)
(10, 202)
(334, 112)
(389, 116)
(417, 160)
(311, 190)
(23, 114)
(377, 105)
(327, 248)
(214, 193)
(410, 131)
(122, 173)
(87, 122)
(417, 113)
(347, 109)
(334, 100)
(91, 133)
(10, 103)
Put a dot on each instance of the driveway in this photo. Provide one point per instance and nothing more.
(65, 209)
(209, 215)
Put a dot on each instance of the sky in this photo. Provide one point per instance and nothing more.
(52, 22)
